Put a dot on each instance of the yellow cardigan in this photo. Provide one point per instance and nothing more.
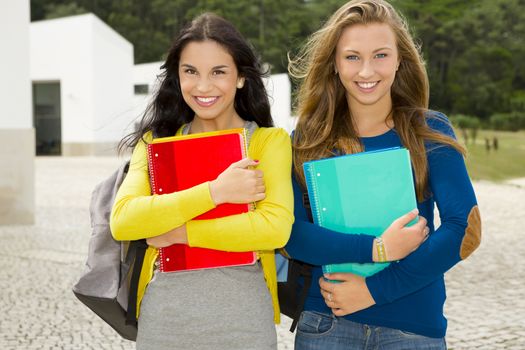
(137, 214)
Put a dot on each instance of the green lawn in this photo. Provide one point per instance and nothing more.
(505, 163)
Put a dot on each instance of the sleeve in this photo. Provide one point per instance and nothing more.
(320, 246)
(456, 238)
(268, 226)
(137, 214)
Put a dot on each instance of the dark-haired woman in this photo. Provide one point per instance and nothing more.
(211, 81)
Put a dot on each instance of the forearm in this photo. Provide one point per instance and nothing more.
(137, 214)
(428, 263)
(135, 217)
(254, 230)
(319, 246)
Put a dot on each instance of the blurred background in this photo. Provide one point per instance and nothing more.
(474, 52)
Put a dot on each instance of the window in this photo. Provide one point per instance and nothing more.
(141, 89)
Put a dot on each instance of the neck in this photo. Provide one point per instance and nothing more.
(205, 125)
(371, 120)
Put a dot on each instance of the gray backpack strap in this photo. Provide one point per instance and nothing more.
(104, 194)
(250, 127)
(104, 253)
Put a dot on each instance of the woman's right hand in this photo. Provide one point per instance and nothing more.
(238, 184)
(400, 240)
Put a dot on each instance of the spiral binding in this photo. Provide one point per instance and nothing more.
(244, 141)
(314, 205)
(151, 168)
(161, 260)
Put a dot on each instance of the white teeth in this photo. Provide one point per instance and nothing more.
(367, 85)
(206, 99)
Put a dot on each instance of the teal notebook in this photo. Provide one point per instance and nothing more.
(360, 193)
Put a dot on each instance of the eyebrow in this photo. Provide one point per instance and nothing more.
(376, 50)
(192, 67)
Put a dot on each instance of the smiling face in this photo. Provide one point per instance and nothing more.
(366, 60)
(209, 80)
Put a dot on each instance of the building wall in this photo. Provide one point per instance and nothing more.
(17, 141)
(280, 94)
(61, 51)
(113, 88)
(94, 67)
(144, 74)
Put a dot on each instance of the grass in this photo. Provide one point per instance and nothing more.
(505, 163)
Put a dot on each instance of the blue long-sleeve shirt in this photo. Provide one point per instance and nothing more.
(409, 294)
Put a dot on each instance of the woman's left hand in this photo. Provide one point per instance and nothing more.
(348, 296)
(176, 236)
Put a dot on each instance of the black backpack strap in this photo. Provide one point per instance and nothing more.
(305, 271)
(306, 204)
(301, 269)
(131, 313)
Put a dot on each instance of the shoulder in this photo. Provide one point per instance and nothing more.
(140, 147)
(147, 137)
(277, 135)
(270, 139)
(439, 122)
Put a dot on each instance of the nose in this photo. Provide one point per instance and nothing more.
(204, 85)
(367, 70)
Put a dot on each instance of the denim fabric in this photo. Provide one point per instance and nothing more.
(317, 331)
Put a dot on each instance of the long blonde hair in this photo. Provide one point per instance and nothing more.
(325, 121)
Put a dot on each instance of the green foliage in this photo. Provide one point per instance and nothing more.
(517, 101)
(63, 10)
(473, 49)
(513, 121)
(468, 125)
(473, 52)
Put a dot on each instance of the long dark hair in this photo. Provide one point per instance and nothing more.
(168, 111)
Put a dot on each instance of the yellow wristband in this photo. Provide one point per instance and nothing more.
(381, 252)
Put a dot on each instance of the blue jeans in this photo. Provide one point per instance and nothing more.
(317, 331)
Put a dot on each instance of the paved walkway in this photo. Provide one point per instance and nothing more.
(39, 264)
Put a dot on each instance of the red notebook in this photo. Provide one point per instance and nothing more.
(180, 162)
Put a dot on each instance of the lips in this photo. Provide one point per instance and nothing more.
(205, 101)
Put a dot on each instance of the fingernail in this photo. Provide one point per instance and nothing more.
(415, 211)
(256, 160)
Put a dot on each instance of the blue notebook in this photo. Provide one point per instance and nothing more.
(360, 193)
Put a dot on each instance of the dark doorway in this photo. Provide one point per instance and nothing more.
(47, 118)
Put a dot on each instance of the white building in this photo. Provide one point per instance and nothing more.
(17, 137)
(277, 85)
(82, 84)
(88, 94)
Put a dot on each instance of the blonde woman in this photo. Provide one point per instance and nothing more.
(364, 87)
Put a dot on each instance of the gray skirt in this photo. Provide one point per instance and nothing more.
(226, 308)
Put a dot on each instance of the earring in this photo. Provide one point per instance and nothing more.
(240, 83)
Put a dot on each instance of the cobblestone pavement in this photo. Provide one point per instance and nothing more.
(39, 264)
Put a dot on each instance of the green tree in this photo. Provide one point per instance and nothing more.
(473, 49)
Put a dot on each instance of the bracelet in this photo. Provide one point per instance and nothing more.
(381, 252)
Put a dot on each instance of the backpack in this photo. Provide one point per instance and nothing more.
(109, 282)
(292, 295)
